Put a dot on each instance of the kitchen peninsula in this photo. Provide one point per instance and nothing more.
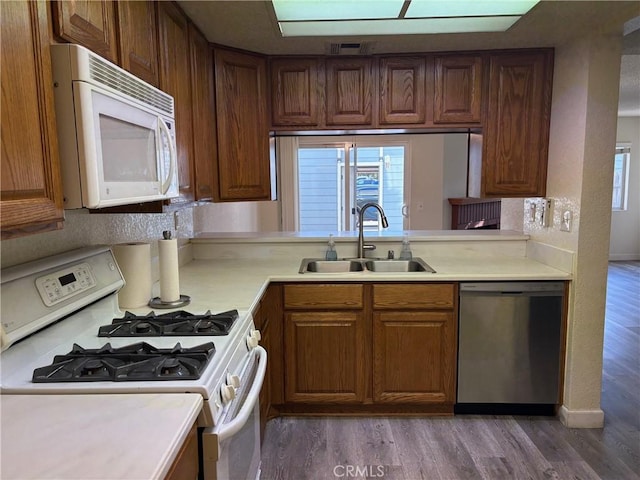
(317, 324)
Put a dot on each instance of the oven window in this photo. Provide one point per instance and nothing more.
(128, 151)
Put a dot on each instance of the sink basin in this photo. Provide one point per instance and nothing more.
(316, 265)
(387, 266)
(310, 265)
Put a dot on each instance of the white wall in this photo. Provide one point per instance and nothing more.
(625, 225)
(580, 176)
(454, 182)
(237, 217)
(427, 173)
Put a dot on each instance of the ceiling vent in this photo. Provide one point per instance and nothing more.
(359, 48)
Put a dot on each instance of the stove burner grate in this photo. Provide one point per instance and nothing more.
(179, 323)
(136, 362)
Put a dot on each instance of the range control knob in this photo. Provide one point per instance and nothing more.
(228, 393)
(233, 380)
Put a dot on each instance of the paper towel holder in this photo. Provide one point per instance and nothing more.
(157, 302)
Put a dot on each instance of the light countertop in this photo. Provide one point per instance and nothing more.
(224, 283)
(106, 437)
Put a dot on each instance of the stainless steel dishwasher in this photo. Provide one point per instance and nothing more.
(509, 347)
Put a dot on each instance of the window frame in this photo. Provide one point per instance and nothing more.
(625, 150)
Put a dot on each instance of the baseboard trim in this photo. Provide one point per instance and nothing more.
(624, 257)
(581, 418)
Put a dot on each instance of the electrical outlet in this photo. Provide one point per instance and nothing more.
(565, 221)
(530, 211)
(545, 212)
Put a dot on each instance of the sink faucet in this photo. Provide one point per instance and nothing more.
(361, 245)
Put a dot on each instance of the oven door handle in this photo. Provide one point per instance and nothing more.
(229, 429)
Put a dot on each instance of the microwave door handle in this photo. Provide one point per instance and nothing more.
(228, 429)
(172, 156)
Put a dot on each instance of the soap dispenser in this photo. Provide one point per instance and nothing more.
(405, 253)
(331, 253)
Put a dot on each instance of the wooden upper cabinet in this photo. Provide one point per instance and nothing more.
(243, 126)
(458, 87)
(402, 90)
(515, 137)
(203, 115)
(31, 189)
(89, 23)
(175, 79)
(294, 91)
(349, 91)
(138, 39)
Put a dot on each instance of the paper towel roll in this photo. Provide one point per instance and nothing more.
(134, 260)
(169, 280)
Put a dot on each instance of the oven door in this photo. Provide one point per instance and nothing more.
(231, 449)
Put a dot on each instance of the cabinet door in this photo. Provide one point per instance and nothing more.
(175, 79)
(30, 181)
(138, 39)
(243, 126)
(294, 91)
(89, 23)
(414, 357)
(349, 86)
(458, 88)
(516, 135)
(402, 90)
(324, 355)
(203, 115)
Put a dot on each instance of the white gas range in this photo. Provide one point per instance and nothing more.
(53, 311)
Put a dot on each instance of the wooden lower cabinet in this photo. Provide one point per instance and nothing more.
(369, 348)
(185, 466)
(324, 354)
(414, 357)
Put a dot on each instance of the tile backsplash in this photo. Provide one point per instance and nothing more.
(82, 229)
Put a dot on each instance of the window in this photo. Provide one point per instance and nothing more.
(335, 180)
(323, 179)
(621, 177)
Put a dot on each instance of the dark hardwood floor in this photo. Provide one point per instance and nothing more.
(482, 447)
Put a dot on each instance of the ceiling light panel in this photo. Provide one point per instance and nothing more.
(398, 27)
(469, 8)
(295, 10)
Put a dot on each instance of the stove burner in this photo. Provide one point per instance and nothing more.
(142, 327)
(179, 323)
(135, 362)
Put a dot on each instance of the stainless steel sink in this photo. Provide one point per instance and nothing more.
(347, 265)
(387, 266)
(311, 265)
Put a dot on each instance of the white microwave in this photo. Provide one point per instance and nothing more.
(116, 133)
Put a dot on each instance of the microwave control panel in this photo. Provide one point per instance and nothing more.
(59, 286)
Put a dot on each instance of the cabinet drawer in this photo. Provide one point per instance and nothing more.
(347, 296)
(439, 296)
